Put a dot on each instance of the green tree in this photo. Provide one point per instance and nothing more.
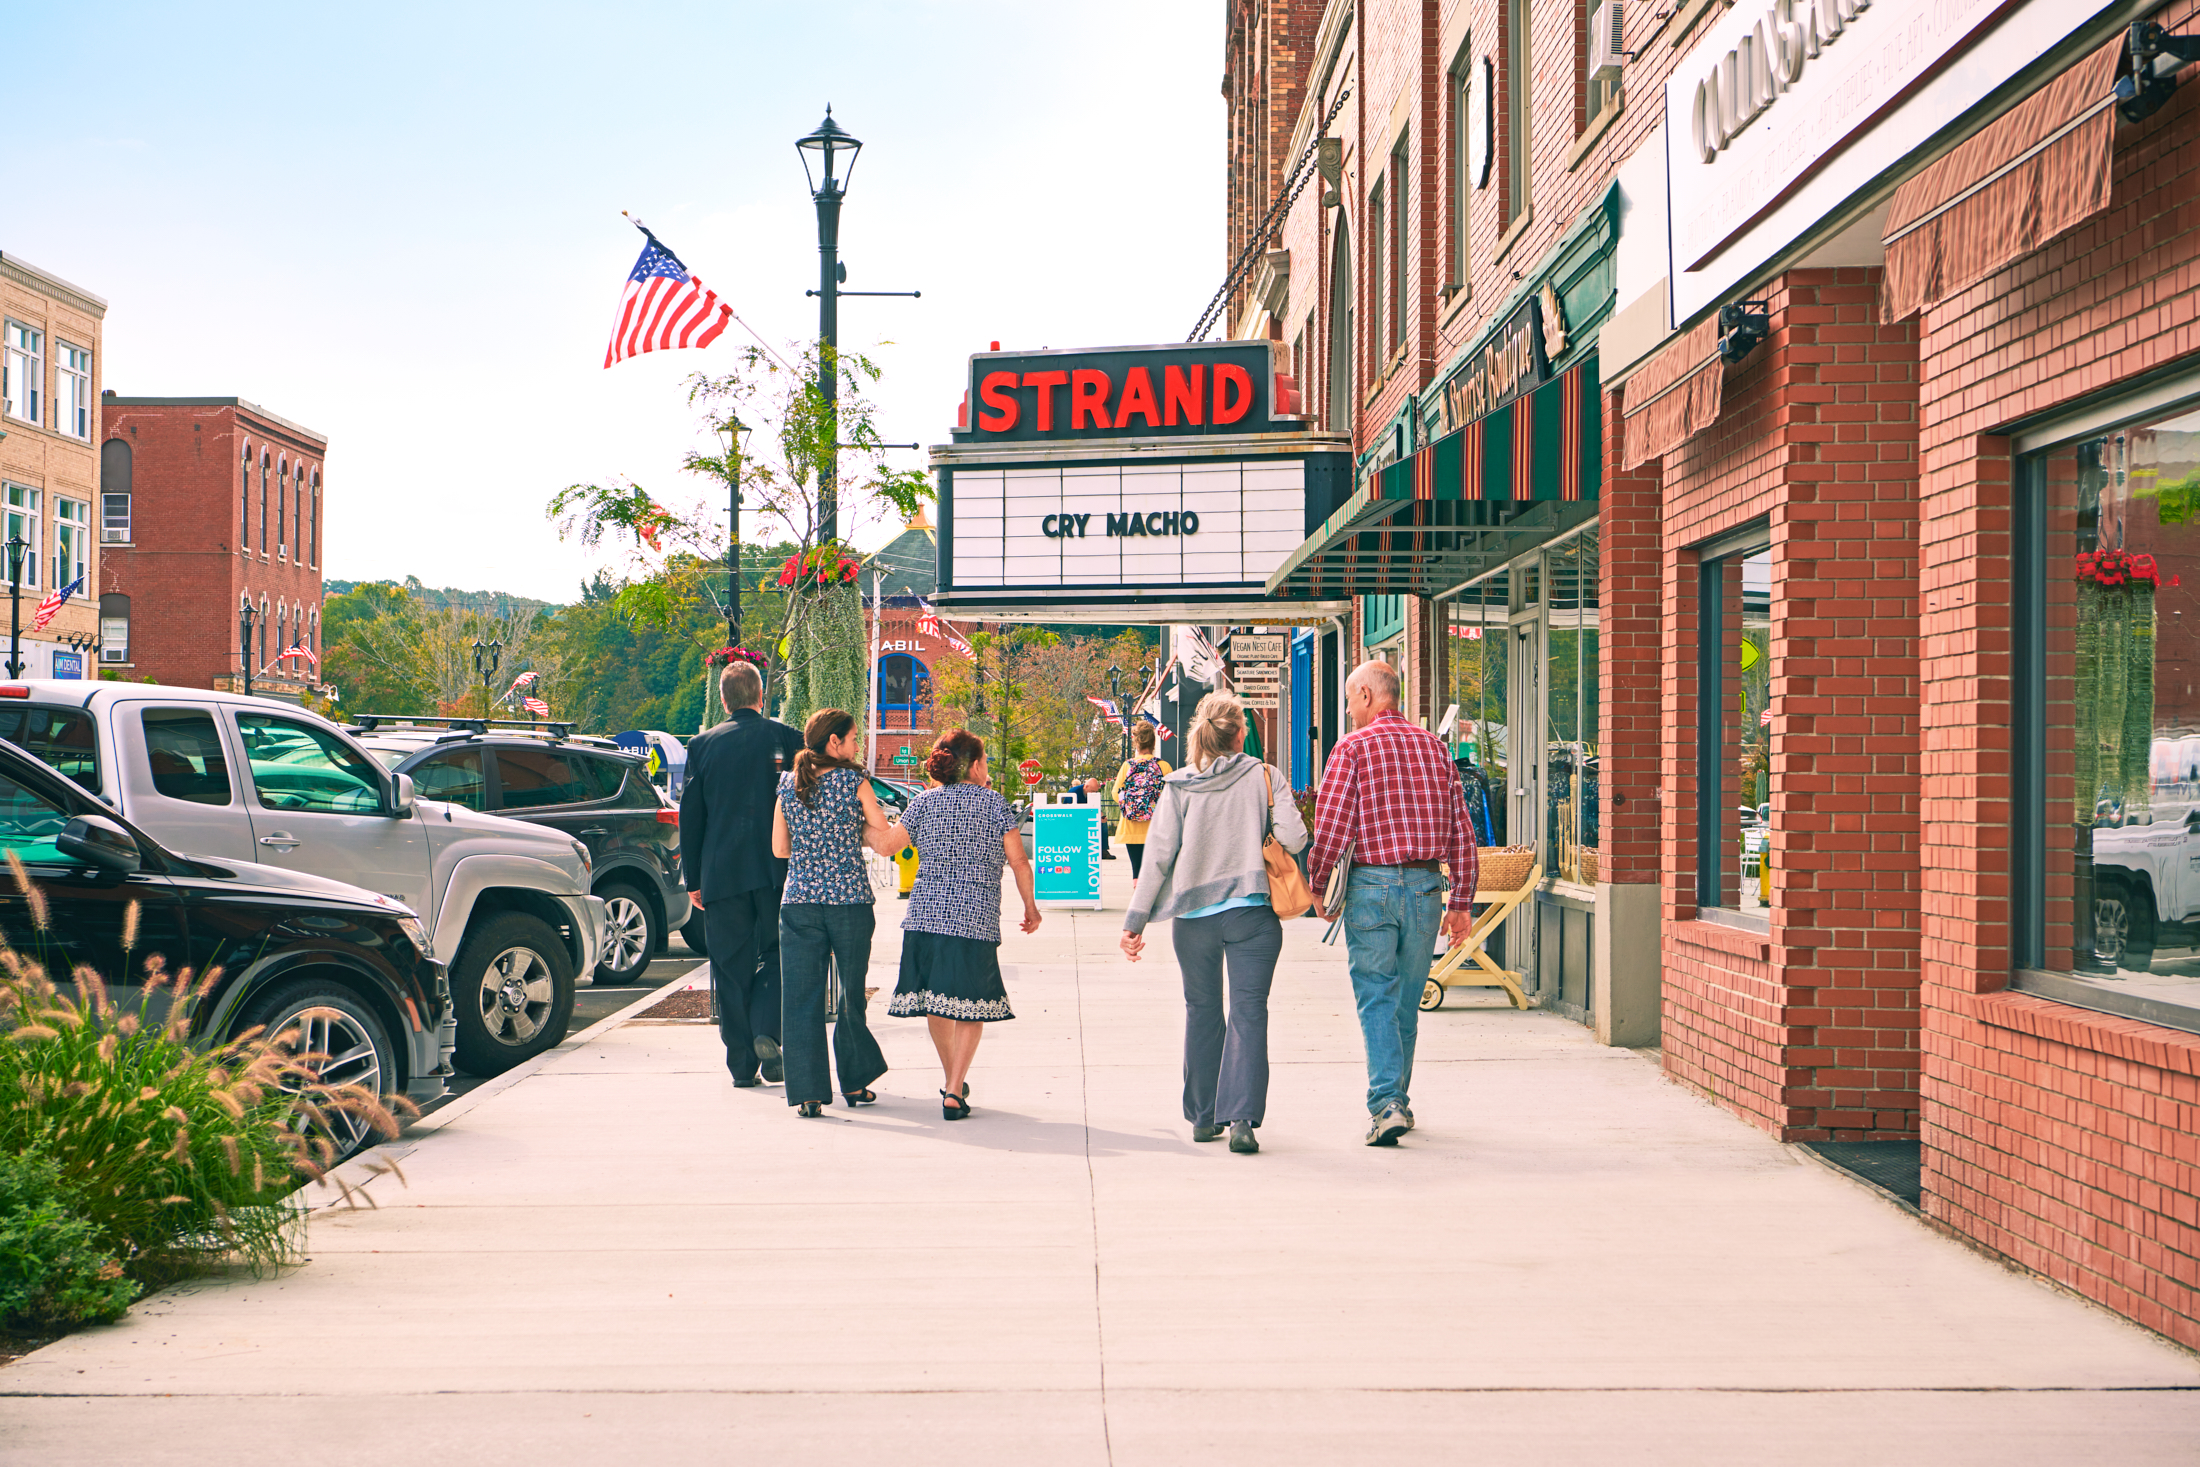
(812, 643)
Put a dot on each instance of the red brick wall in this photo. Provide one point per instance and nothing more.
(2060, 1137)
(1629, 584)
(185, 571)
(1810, 1030)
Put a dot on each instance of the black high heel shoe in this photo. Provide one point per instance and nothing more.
(865, 1096)
(954, 1107)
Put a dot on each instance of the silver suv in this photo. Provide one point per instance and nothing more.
(223, 777)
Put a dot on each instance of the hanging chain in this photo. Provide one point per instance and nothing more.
(1293, 186)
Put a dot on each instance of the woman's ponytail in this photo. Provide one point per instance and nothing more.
(810, 765)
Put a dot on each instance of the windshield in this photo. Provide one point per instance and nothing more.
(390, 758)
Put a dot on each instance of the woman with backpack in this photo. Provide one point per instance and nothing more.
(1137, 787)
(1209, 874)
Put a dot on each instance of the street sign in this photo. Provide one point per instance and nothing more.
(1246, 647)
(905, 755)
(1030, 771)
(1066, 855)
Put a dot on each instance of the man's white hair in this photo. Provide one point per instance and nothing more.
(1381, 681)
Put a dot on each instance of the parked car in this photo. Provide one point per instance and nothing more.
(350, 967)
(228, 779)
(588, 788)
(893, 798)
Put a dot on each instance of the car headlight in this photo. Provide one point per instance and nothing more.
(588, 862)
(416, 932)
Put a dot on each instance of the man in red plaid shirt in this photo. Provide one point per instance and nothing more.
(1390, 792)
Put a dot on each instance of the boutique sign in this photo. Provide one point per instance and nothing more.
(1128, 392)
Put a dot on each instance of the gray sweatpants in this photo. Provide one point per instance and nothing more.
(1226, 1065)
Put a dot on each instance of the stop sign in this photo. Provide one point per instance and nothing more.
(1030, 771)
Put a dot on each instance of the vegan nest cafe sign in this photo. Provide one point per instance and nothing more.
(1177, 475)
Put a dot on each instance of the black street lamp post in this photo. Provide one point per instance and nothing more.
(16, 546)
(486, 657)
(831, 145)
(246, 619)
(733, 434)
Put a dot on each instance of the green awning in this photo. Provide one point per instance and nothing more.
(1466, 503)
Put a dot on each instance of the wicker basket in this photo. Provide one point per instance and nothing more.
(1504, 868)
(1588, 867)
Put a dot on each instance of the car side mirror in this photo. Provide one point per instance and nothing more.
(97, 841)
(402, 795)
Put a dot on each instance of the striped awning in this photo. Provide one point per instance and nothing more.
(1466, 503)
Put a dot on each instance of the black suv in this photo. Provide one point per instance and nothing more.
(350, 966)
(589, 788)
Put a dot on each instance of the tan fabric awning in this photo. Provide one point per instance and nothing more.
(1673, 398)
(2039, 169)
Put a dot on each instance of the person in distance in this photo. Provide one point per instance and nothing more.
(1137, 787)
(964, 833)
(1206, 872)
(826, 813)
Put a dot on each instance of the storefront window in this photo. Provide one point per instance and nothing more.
(1479, 627)
(1734, 731)
(1570, 732)
(2109, 652)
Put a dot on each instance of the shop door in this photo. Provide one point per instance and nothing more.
(1524, 772)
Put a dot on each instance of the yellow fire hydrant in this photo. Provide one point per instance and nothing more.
(905, 865)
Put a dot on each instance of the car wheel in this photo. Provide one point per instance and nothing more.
(512, 987)
(331, 1020)
(692, 934)
(631, 935)
(2123, 926)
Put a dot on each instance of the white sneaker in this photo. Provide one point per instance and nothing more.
(1386, 1128)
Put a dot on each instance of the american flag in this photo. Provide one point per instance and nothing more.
(1106, 708)
(664, 307)
(523, 680)
(537, 707)
(930, 624)
(299, 649)
(54, 601)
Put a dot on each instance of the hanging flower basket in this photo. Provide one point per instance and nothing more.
(2115, 687)
(824, 566)
(727, 656)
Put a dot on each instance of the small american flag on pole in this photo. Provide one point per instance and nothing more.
(664, 307)
(54, 601)
(537, 707)
(930, 624)
(1107, 709)
(523, 680)
(299, 649)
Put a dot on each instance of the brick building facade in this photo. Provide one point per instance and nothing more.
(50, 363)
(1742, 536)
(226, 512)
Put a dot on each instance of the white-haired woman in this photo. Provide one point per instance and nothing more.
(1203, 870)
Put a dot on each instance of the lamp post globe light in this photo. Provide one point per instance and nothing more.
(17, 545)
(828, 158)
(733, 436)
(247, 617)
(486, 657)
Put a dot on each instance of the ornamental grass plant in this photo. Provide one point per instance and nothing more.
(180, 1157)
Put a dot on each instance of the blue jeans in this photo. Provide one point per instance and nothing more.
(811, 935)
(1391, 915)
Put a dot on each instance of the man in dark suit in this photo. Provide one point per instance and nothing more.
(732, 877)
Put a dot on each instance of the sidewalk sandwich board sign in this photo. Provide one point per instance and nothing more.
(1066, 863)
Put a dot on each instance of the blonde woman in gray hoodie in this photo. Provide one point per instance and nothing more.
(1203, 871)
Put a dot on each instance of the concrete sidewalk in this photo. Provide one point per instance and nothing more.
(620, 1258)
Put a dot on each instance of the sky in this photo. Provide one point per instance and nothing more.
(399, 225)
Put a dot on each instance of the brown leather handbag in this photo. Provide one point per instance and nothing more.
(1288, 893)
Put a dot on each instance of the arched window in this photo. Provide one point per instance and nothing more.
(313, 541)
(244, 502)
(282, 506)
(905, 691)
(265, 609)
(265, 461)
(1340, 332)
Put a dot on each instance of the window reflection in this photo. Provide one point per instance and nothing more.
(1734, 777)
(1570, 734)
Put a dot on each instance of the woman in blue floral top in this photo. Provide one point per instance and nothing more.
(950, 964)
(826, 812)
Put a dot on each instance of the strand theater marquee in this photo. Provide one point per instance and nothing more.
(1133, 484)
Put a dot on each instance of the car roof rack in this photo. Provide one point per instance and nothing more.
(389, 722)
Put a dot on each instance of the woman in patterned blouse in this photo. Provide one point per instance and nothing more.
(950, 963)
(826, 812)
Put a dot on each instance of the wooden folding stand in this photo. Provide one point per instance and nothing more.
(1452, 970)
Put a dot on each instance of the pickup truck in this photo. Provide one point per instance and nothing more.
(223, 777)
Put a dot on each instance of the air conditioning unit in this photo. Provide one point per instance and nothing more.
(114, 654)
(1607, 41)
